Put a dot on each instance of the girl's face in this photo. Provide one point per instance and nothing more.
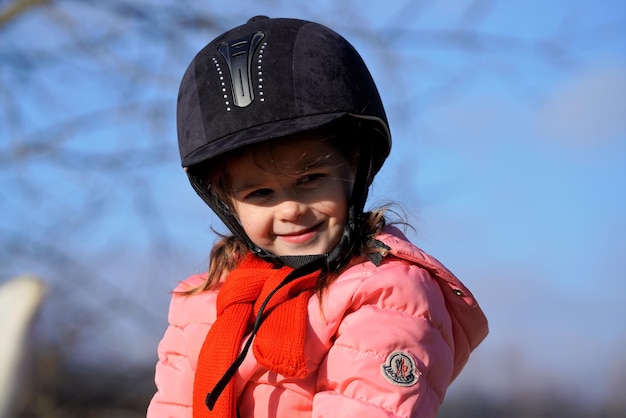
(291, 197)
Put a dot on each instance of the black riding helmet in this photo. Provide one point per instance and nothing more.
(273, 78)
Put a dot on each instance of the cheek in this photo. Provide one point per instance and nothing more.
(253, 219)
(337, 207)
(243, 214)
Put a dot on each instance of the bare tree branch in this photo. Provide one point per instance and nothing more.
(13, 10)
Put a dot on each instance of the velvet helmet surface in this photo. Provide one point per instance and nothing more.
(273, 78)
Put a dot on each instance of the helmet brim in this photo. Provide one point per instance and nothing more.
(286, 128)
(258, 134)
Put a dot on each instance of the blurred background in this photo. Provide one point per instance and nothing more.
(509, 159)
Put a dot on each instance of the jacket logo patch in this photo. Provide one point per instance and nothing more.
(400, 369)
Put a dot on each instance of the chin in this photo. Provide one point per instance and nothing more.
(311, 250)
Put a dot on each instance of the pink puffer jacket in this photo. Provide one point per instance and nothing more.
(386, 341)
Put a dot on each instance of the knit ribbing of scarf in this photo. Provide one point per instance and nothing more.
(279, 342)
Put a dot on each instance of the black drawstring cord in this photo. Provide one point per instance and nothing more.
(213, 395)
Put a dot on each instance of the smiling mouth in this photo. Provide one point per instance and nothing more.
(301, 236)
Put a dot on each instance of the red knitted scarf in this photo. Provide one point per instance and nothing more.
(279, 342)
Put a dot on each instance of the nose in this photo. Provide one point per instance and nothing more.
(290, 210)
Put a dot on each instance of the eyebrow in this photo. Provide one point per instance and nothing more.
(245, 186)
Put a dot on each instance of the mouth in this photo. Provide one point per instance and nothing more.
(300, 237)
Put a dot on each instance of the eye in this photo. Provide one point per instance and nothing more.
(310, 179)
(258, 194)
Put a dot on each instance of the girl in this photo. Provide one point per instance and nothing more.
(312, 307)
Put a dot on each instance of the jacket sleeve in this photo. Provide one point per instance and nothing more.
(190, 318)
(393, 350)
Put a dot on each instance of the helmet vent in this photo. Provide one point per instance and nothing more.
(239, 56)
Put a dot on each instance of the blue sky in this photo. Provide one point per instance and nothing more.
(509, 158)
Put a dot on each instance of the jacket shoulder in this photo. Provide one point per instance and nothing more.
(469, 323)
(186, 309)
